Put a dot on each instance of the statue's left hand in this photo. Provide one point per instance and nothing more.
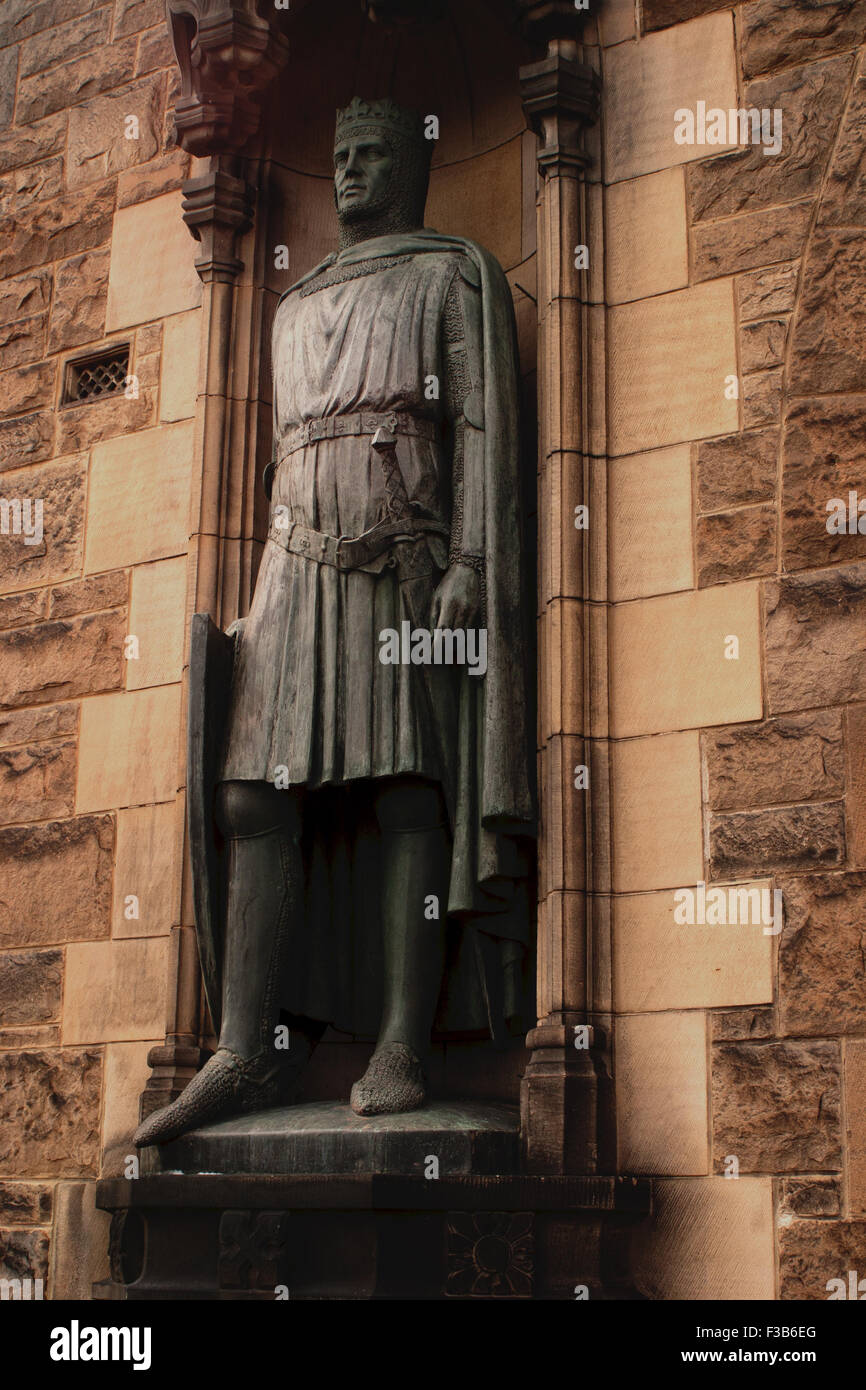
(457, 600)
(236, 629)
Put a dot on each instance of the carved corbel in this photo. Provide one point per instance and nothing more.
(227, 52)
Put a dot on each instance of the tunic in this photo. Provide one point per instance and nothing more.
(384, 336)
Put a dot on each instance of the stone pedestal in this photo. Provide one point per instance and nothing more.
(330, 1205)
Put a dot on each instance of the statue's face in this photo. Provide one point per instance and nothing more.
(362, 177)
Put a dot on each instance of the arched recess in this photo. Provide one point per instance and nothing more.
(487, 69)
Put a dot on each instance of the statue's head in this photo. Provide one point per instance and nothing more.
(381, 167)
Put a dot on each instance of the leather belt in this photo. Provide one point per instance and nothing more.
(352, 552)
(357, 422)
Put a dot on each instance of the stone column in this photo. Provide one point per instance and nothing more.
(227, 54)
(560, 1095)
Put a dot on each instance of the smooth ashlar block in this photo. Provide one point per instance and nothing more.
(709, 1239)
(686, 661)
(138, 500)
(656, 815)
(646, 240)
(127, 751)
(179, 381)
(650, 523)
(114, 991)
(660, 964)
(661, 1072)
(156, 621)
(153, 270)
(146, 881)
(646, 83)
(126, 1072)
(673, 365)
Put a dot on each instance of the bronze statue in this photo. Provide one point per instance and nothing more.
(373, 779)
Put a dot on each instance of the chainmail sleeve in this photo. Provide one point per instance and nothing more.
(464, 406)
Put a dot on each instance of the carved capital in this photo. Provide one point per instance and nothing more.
(544, 20)
(227, 52)
(560, 97)
(217, 208)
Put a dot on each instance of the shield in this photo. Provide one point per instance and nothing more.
(211, 660)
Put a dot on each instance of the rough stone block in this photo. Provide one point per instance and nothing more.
(762, 345)
(824, 458)
(48, 231)
(60, 486)
(735, 545)
(843, 202)
(751, 179)
(822, 973)
(737, 470)
(854, 1068)
(748, 1024)
(59, 660)
(62, 871)
(99, 144)
(781, 840)
(78, 311)
(804, 1197)
(775, 33)
(764, 292)
(31, 985)
(812, 1253)
(68, 84)
(799, 757)
(776, 1106)
(31, 725)
(753, 239)
(762, 399)
(815, 639)
(28, 439)
(94, 422)
(24, 1255)
(49, 1112)
(25, 1204)
(17, 609)
(37, 780)
(28, 144)
(828, 348)
(27, 388)
(91, 595)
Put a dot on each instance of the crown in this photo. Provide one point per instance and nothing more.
(408, 125)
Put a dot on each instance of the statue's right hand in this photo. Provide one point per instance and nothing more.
(237, 628)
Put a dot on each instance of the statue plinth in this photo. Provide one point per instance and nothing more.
(328, 1137)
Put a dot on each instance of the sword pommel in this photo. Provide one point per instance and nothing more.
(384, 440)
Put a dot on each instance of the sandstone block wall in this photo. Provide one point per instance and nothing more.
(724, 265)
(94, 254)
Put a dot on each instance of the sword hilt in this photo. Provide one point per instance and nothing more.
(385, 444)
